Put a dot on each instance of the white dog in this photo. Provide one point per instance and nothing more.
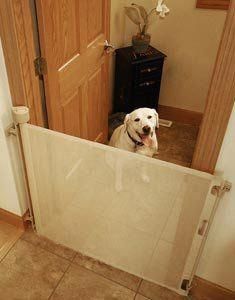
(137, 134)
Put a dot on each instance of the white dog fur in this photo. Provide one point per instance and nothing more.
(137, 134)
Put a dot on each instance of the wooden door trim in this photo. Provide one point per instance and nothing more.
(17, 36)
(204, 289)
(13, 219)
(180, 115)
(19, 52)
(220, 101)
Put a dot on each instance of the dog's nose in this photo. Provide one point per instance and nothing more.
(146, 129)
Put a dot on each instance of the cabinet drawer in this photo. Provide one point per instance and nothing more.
(150, 70)
(147, 84)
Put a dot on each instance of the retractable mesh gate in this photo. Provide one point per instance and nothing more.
(142, 215)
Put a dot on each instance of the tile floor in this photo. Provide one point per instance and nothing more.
(177, 143)
(8, 236)
(36, 268)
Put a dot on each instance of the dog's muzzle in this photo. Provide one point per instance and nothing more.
(146, 129)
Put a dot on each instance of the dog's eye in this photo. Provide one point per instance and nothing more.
(149, 117)
(137, 120)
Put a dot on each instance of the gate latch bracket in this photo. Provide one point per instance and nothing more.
(219, 190)
(11, 130)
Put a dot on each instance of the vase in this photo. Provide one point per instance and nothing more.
(141, 43)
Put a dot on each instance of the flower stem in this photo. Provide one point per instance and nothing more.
(151, 11)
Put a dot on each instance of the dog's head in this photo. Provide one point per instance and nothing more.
(142, 122)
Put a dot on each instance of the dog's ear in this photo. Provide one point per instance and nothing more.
(127, 118)
(157, 117)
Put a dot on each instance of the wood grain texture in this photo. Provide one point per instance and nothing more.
(220, 101)
(203, 289)
(19, 51)
(180, 115)
(72, 35)
(214, 4)
(11, 218)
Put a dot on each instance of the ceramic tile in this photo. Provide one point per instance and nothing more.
(177, 143)
(182, 150)
(158, 266)
(9, 234)
(29, 272)
(156, 292)
(179, 131)
(40, 241)
(118, 245)
(79, 283)
(126, 279)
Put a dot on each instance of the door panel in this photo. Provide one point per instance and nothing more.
(95, 21)
(138, 214)
(72, 35)
(70, 112)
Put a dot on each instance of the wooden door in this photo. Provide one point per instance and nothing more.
(72, 35)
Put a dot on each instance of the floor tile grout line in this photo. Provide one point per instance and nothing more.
(58, 283)
(135, 291)
(138, 287)
(13, 245)
(72, 262)
(69, 260)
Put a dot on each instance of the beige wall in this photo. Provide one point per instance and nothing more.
(12, 192)
(117, 28)
(117, 36)
(190, 38)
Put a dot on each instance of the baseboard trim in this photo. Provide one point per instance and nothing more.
(180, 115)
(203, 289)
(13, 219)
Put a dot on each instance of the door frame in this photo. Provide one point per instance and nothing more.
(17, 36)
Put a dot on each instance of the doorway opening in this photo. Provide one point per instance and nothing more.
(82, 82)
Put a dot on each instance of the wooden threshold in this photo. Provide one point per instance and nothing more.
(203, 289)
(213, 4)
(180, 115)
(13, 219)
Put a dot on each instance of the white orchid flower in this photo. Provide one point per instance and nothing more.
(162, 9)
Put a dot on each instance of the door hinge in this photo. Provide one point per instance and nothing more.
(40, 66)
(219, 190)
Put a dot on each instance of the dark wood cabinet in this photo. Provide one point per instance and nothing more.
(137, 79)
